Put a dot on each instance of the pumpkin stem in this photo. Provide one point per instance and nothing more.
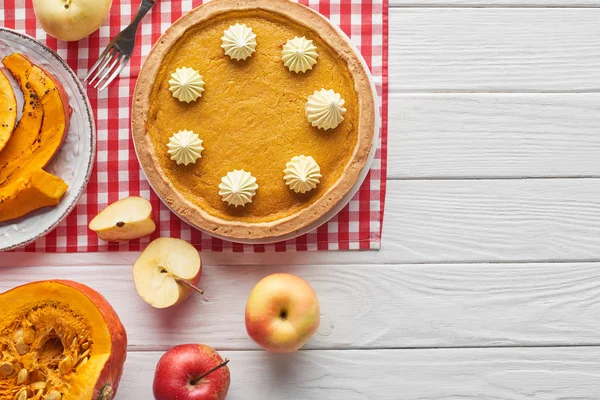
(106, 393)
(188, 284)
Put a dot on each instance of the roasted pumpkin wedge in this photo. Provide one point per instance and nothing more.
(31, 190)
(8, 110)
(35, 149)
(28, 128)
(59, 340)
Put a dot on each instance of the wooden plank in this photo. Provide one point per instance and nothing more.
(516, 220)
(485, 49)
(499, 374)
(494, 3)
(494, 220)
(365, 307)
(494, 135)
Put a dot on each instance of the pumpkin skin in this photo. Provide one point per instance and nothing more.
(8, 110)
(46, 104)
(45, 323)
(32, 190)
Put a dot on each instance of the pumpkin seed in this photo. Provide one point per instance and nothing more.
(53, 395)
(66, 365)
(29, 335)
(22, 376)
(18, 335)
(84, 354)
(21, 347)
(21, 394)
(38, 385)
(85, 346)
(6, 368)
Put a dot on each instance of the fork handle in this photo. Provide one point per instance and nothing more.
(142, 11)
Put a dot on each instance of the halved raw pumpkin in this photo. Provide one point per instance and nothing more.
(31, 190)
(8, 110)
(59, 340)
(36, 149)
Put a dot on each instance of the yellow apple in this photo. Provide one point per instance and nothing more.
(126, 219)
(71, 20)
(166, 272)
(282, 313)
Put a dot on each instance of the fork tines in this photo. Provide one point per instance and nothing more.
(107, 68)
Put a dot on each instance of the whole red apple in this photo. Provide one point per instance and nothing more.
(191, 372)
(282, 313)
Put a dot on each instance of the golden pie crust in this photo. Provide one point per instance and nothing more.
(229, 119)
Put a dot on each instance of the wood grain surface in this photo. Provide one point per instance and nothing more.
(494, 220)
(367, 307)
(495, 49)
(494, 135)
(454, 374)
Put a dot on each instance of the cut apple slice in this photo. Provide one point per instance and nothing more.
(8, 110)
(126, 219)
(166, 272)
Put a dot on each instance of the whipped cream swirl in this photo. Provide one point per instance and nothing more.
(186, 84)
(238, 187)
(239, 42)
(185, 147)
(325, 109)
(299, 54)
(302, 174)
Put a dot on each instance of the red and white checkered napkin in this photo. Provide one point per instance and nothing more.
(117, 172)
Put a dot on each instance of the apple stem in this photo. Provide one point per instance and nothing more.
(224, 363)
(189, 284)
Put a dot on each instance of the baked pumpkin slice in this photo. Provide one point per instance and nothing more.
(35, 147)
(24, 186)
(8, 110)
(28, 128)
(59, 340)
(31, 190)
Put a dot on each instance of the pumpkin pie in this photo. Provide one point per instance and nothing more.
(289, 114)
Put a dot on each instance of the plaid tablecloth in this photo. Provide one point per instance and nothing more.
(117, 173)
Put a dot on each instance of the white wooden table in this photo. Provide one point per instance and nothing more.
(488, 285)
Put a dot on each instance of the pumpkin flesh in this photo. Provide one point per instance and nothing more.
(24, 186)
(28, 128)
(66, 336)
(43, 145)
(8, 110)
(32, 190)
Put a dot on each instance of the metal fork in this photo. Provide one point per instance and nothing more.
(118, 52)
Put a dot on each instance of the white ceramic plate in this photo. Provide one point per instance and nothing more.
(345, 200)
(73, 163)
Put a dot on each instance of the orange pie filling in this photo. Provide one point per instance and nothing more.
(249, 115)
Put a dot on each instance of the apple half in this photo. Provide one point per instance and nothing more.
(167, 271)
(126, 219)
